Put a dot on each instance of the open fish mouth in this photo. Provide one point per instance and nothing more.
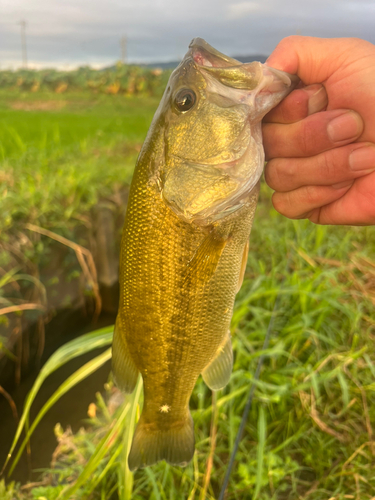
(255, 84)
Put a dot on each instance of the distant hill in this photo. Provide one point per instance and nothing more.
(174, 64)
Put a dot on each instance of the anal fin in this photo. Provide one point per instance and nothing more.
(217, 374)
(125, 372)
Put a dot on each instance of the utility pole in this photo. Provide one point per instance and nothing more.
(123, 43)
(23, 43)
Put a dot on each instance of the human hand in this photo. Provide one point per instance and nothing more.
(320, 140)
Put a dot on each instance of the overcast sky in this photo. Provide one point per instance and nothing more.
(69, 33)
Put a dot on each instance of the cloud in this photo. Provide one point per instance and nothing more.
(240, 9)
(359, 6)
(89, 31)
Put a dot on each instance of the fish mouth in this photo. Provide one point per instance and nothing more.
(255, 84)
(229, 177)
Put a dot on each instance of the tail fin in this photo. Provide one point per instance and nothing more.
(175, 445)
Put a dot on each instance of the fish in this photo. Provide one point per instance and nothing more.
(186, 240)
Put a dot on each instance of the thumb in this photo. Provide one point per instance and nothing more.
(314, 60)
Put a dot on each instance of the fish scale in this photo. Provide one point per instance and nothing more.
(184, 244)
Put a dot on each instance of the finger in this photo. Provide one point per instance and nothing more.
(356, 207)
(331, 167)
(313, 135)
(300, 203)
(299, 104)
(314, 59)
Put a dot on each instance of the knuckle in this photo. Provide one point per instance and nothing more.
(309, 195)
(326, 166)
(273, 140)
(284, 203)
(314, 216)
(271, 174)
(312, 134)
(280, 174)
(306, 139)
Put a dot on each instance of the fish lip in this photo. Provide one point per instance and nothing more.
(204, 54)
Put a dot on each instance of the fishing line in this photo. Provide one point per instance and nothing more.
(250, 397)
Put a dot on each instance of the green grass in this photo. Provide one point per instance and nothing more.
(46, 122)
(54, 165)
(309, 435)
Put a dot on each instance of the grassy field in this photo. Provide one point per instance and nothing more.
(310, 433)
(55, 152)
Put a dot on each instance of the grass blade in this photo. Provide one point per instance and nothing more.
(104, 446)
(128, 475)
(77, 347)
(154, 483)
(79, 375)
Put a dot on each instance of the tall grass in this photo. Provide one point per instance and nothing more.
(54, 166)
(59, 158)
(310, 430)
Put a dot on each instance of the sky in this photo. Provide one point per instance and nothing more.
(70, 33)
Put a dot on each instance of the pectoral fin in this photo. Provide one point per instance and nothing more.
(217, 374)
(124, 370)
(243, 265)
(206, 258)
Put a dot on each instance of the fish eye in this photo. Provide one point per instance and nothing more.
(185, 100)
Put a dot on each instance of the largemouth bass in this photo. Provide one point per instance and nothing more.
(185, 241)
